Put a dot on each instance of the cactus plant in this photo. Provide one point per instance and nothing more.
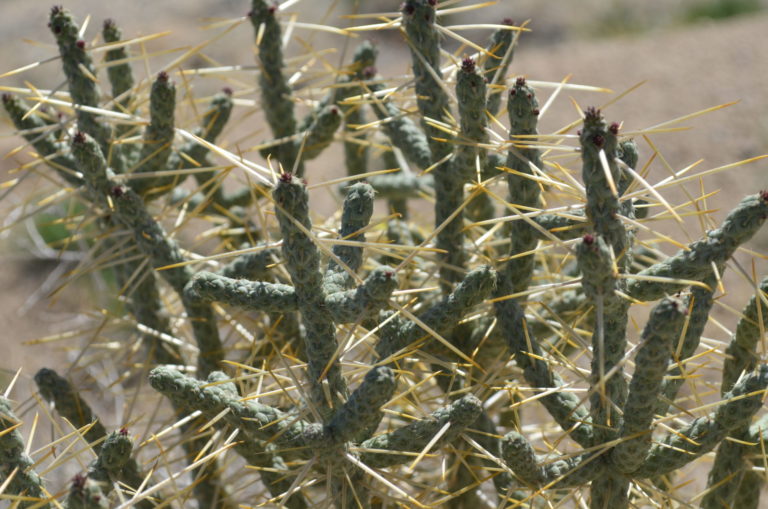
(386, 363)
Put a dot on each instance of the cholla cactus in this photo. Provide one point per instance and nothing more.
(314, 369)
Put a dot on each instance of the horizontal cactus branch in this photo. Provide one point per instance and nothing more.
(261, 421)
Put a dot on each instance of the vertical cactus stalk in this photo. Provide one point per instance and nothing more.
(121, 80)
(276, 95)
(14, 461)
(599, 144)
(731, 465)
(303, 264)
(81, 77)
(471, 160)
(657, 342)
(523, 108)
(158, 135)
(700, 302)
(600, 284)
(500, 52)
(356, 214)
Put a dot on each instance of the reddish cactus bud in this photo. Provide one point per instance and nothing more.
(227, 91)
(109, 23)
(80, 44)
(78, 482)
(588, 239)
(7, 98)
(334, 110)
(512, 93)
(79, 137)
(369, 72)
(520, 82)
(286, 177)
(598, 140)
(433, 3)
(535, 111)
(117, 192)
(468, 65)
(162, 76)
(764, 195)
(408, 8)
(592, 113)
(508, 21)
(615, 127)
(124, 431)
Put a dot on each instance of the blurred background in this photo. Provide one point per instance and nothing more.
(690, 54)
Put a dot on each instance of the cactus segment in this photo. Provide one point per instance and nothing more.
(695, 262)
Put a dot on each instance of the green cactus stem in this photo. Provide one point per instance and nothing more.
(261, 422)
(39, 135)
(57, 390)
(601, 180)
(390, 449)
(538, 472)
(303, 264)
(499, 54)
(657, 342)
(356, 214)
(129, 211)
(80, 72)
(741, 353)
(26, 483)
(121, 80)
(443, 316)
(158, 135)
(730, 464)
(361, 413)
(703, 434)
(700, 302)
(695, 262)
(523, 111)
(401, 131)
(600, 285)
(276, 95)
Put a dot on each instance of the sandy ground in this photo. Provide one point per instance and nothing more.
(685, 69)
